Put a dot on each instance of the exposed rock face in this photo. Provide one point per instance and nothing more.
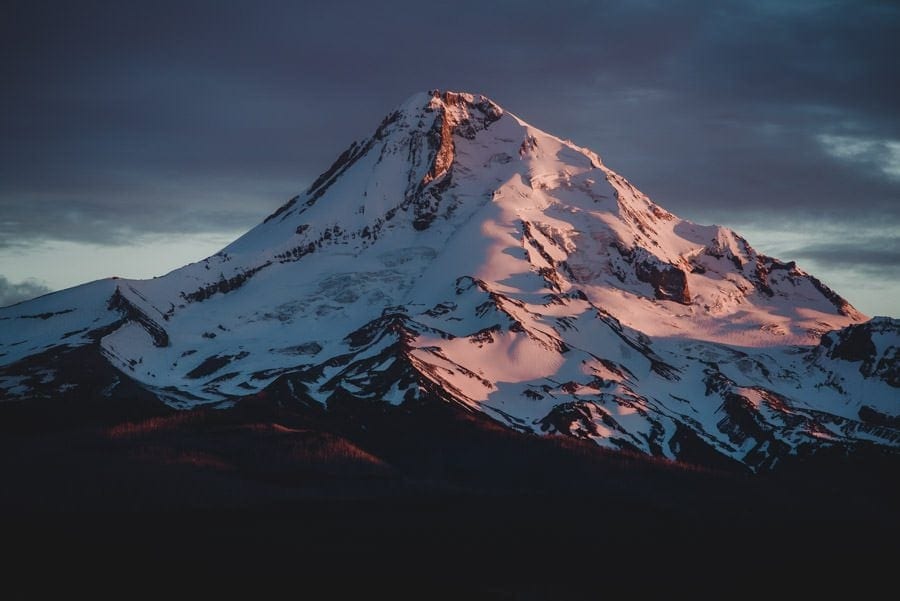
(873, 344)
(131, 312)
(669, 282)
(855, 344)
(456, 114)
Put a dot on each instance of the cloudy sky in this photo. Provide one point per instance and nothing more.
(139, 136)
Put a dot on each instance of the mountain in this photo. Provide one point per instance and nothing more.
(460, 255)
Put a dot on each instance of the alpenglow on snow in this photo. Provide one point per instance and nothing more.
(461, 255)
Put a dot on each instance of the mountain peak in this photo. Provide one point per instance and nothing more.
(464, 102)
(443, 99)
(461, 253)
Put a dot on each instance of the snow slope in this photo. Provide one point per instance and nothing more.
(460, 252)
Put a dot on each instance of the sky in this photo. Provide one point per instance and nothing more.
(136, 137)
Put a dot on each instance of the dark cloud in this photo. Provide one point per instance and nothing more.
(11, 294)
(878, 256)
(121, 117)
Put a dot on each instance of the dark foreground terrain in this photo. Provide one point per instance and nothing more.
(426, 501)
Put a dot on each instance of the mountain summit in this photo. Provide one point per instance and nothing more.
(460, 255)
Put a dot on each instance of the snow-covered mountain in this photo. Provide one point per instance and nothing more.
(461, 254)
